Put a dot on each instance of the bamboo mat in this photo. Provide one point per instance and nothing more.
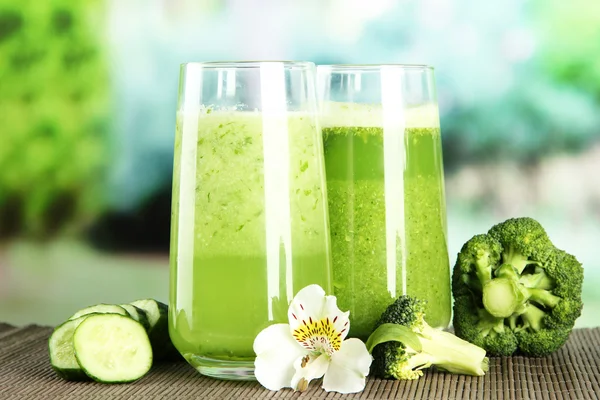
(571, 373)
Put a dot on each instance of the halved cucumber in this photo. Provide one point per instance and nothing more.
(100, 309)
(62, 353)
(158, 317)
(112, 348)
(138, 314)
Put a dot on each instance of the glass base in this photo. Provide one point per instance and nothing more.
(236, 370)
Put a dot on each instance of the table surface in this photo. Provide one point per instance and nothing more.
(573, 372)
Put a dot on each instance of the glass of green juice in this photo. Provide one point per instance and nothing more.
(249, 224)
(385, 188)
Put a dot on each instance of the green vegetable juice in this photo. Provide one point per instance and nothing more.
(249, 228)
(387, 214)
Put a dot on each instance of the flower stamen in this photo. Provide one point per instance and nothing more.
(305, 361)
(320, 336)
(302, 385)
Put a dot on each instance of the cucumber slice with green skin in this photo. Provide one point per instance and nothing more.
(62, 352)
(138, 314)
(112, 348)
(158, 317)
(156, 311)
(101, 309)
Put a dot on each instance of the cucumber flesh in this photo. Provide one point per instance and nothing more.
(62, 352)
(138, 314)
(101, 309)
(112, 348)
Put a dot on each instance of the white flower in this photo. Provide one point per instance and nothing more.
(310, 347)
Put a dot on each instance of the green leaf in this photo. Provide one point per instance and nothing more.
(393, 332)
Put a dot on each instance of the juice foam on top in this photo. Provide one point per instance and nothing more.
(338, 114)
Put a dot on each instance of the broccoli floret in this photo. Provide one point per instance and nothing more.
(542, 342)
(514, 291)
(477, 256)
(524, 242)
(400, 360)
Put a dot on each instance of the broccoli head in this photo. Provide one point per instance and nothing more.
(514, 291)
(420, 346)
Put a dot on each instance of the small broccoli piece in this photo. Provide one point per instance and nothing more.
(395, 359)
(525, 291)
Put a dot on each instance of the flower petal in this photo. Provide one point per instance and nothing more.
(309, 368)
(276, 351)
(339, 319)
(306, 306)
(348, 368)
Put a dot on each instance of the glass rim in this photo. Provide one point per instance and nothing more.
(373, 67)
(249, 64)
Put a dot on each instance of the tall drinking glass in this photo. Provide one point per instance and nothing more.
(249, 219)
(385, 185)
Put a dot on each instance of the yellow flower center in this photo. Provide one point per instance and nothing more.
(319, 336)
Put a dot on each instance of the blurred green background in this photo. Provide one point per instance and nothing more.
(87, 109)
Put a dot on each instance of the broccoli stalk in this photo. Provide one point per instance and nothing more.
(452, 354)
(532, 317)
(489, 325)
(402, 354)
(483, 267)
(539, 279)
(515, 258)
(501, 297)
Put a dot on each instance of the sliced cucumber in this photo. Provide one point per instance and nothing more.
(138, 314)
(157, 312)
(100, 309)
(62, 353)
(112, 348)
(158, 317)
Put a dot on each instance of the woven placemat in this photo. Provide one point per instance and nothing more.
(571, 373)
